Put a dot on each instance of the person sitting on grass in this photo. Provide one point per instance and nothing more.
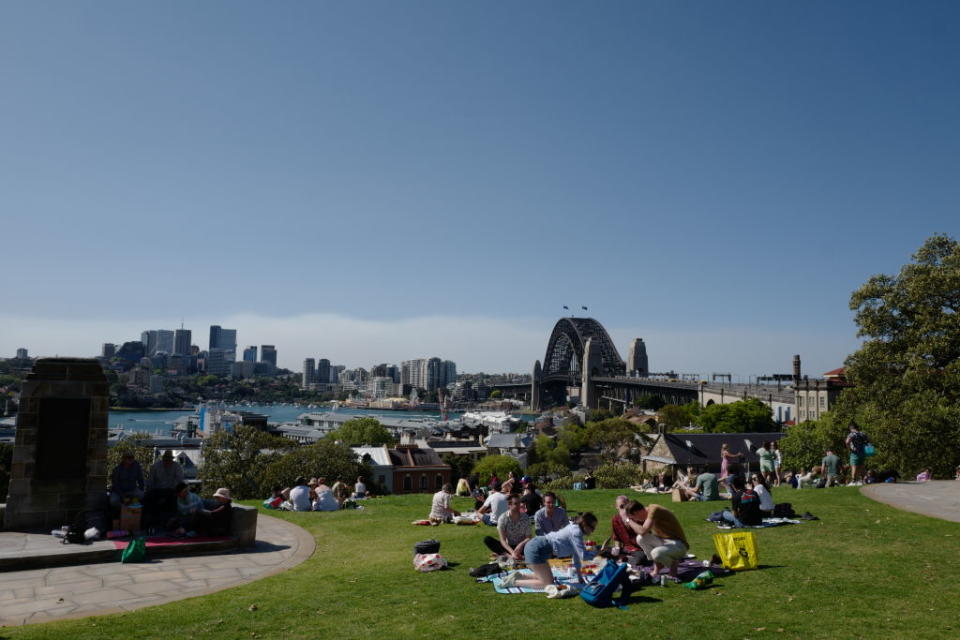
(494, 506)
(551, 516)
(925, 476)
(661, 537)
(340, 491)
(300, 495)
(275, 499)
(568, 541)
(514, 529)
(440, 510)
(625, 530)
(325, 500)
(830, 466)
(760, 487)
(706, 488)
(359, 489)
(530, 500)
(744, 505)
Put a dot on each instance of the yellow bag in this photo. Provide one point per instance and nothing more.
(737, 551)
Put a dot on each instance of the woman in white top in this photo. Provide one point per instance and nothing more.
(763, 492)
(777, 462)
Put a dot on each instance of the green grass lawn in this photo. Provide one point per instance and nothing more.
(864, 570)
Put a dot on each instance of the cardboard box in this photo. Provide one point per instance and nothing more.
(130, 518)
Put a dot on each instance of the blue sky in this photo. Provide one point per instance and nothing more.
(370, 179)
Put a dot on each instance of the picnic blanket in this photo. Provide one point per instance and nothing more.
(767, 522)
(168, 541)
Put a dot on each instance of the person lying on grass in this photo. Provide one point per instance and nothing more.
(661, 536)
(566, 542)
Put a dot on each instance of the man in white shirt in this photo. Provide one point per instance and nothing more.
(300, 495)
(440, 509)
(494, 506)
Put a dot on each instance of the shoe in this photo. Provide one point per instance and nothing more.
(510, 580)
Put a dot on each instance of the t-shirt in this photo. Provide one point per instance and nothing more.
(707, 484)
(532, 501)
(546, 523)
(439, 509)
(746, 506)
(832, 464)
(190, 504)
(325, 500)
(857, 441)
(766, 500)
(665, 524)
(300, 497)
(360, 489)
(497, 501)
(623, 534)
(517, 530)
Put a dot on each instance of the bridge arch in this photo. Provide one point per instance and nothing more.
(564, 356)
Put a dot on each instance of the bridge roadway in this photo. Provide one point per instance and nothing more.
(766, 393)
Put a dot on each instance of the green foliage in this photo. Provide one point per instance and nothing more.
(139, 444)
(674, 417)
(907, 373)
(619, 475)
(597, 415)
(744, 416)
(648, 401)
(501, 465)
(611, 435)
(6, 460)
(541, 470)
(237, 460)
(805, 443)
(460, 466)
(323, 458)
(362, 431)
(496, 393)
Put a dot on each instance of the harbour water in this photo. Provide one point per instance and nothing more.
(161, 422)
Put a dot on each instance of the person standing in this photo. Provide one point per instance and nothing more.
(725, 458)
(767, 459)
(857, 442)
(830, 465)
(777, 464)
(661, 536)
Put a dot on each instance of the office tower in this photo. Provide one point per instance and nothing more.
(449, 373)
(149, 340)
(309, 372)
(217, 363)
(214, 337)
(164, 341)
(323, 371)
(250, 353)
(268, 353)
(181, 341)
(335, 370)
(22, 353)
(109, 350)
(228, 340)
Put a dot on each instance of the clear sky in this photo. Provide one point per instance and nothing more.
(375, 181)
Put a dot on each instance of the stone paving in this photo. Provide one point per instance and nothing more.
(937, 499)
(41, 595)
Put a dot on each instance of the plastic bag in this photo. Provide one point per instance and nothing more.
(425, 562)
(738, 550)
(136, 551)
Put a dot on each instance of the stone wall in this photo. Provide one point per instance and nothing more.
(60, 453)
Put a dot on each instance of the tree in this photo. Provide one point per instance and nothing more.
(362, 431)
(495, 394)
(501, 465)
(611, 435)
(906, 376)
(674, 417)
(323, 458)
(648, 401)
(237, 460)
(805, 443)
(744, 416)
(139, 444)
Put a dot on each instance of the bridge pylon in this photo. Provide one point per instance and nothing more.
(536, 387)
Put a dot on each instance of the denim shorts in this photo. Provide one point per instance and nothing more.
(537, 551)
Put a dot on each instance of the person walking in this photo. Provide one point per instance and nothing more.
(857, 442)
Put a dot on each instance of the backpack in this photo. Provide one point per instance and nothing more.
(599, 592)
(783, 510)
(75, 531)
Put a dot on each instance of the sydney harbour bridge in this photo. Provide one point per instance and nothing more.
(582, 362)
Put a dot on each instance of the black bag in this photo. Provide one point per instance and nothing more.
(783, 510)
(426, 546)
(822, 483)
(486, 570)
(75, 531)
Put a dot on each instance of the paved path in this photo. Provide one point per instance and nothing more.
(41, 595)
(937, 499)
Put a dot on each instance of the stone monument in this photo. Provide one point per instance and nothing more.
(60, 452)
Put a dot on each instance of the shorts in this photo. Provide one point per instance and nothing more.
(537, 551)
(856, 459)
(766, 465)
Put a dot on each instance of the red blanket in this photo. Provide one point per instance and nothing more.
(167, 541)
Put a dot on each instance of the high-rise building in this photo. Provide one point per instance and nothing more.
(149, 340)
(225, 339)
(268, 353)
(181, 341)
(22, 353)
(228, 339)
(323, 371)
(214, 337)
(217, 363)
(250, 353)
(335, 370)
(109, 350)
(164, 341)
(449, 375)
(309, 372)
(428, 373)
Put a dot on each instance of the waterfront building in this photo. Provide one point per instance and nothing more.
(217, 362)
(181, 341)
(250, 353)
(428, 373)
(268, 354)
(309, 373)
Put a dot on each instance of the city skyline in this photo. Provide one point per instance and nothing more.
(371, 177)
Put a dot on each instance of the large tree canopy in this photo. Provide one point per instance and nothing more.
(360, 431)
(907, 373)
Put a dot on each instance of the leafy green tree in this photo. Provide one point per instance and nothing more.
(323, 458)
(611, 435)
(501, 465)
(360, 431)
(139, 444)
(805, 443)
(906, 375)
(495, 394)
(648, 401)
(674, 417)
(237, 460)
(460, 466)
(744, 416)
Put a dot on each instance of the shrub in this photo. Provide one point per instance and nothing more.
(500, 465)
(619, 475)
(323, 458)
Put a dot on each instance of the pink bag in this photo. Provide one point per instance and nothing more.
(429, 562)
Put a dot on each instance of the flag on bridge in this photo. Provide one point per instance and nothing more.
(584, 308)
